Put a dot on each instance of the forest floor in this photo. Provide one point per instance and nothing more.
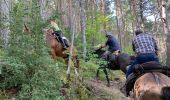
(102, 92)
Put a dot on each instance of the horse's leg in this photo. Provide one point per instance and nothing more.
(106, 74)
(97, 74)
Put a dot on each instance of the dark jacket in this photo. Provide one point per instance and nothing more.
(113, 44)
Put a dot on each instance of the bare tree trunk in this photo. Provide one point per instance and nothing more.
(103, 10)
(83, 26)
(71, 47)
(141, 14)
(136, 23)
(69, 14)
(5, 6)
(120, 21)
(166, 28)
(73, 27)
(44, 11)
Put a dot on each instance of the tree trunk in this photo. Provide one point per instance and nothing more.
(141, 18)
(165, 17)
(120, 20)
(166, 28)
(45, 9)
(83, 26)
(5, 6)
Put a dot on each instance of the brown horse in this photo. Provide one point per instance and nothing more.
(57, 51)
(152, 86)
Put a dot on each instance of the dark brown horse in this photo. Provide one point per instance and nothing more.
(57, 51)
(120, 63)
(152, 86)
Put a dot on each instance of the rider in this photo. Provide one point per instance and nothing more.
(112, 43)
(57, 33)
(146, 49)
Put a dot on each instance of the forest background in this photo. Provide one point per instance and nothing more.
(27, 71)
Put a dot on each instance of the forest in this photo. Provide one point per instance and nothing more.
(35, 66)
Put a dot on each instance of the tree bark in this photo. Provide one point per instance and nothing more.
(83, 26)
(5, 6)
(44, 11)
(166, 28)
(141, 14)
(120, 20)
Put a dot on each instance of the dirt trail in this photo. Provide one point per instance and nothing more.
(102, 92)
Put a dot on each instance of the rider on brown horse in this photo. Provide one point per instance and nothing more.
(57, 33)
(145, 47)
(113, 44)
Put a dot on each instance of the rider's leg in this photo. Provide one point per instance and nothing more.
(59, 34)
(131, 68)
(66, 41)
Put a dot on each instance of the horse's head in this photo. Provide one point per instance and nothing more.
(94, 52)
(99, 52)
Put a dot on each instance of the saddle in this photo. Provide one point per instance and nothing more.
(151, 66)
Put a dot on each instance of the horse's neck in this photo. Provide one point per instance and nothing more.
(100, 52)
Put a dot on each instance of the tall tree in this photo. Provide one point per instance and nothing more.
(120, 20)
(165, 27)
(134, 14)
(83, 25)
(5, 6)
(45, 12)
(141, 10)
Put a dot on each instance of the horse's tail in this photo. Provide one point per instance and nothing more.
(166, 93)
